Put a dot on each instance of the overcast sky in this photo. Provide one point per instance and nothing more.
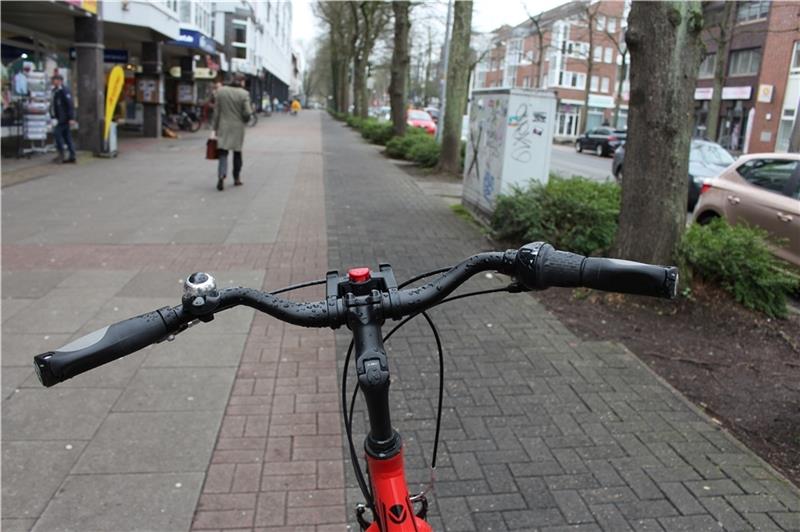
(487, 14)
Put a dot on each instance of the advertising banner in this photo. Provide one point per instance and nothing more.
(116, 79)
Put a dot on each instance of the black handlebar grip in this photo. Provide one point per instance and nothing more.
(100, 347)
(539, 266)
(615, 275)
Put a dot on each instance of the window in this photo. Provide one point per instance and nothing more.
(597, 54)
(707, 66)
(769, 174)
(577, 49)
(612, 25)
(747, 11)
(240, 34)
(526, 81)
(796, 57)
(601, 23)
(595, 83)
(604, 85)
(745, 62)
(609, 55)
(241, 52)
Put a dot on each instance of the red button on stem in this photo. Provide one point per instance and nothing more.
(358, 275)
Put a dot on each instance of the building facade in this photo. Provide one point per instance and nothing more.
(256, 36)
(573, 49)
(777, 96)
(761, 83)
(171, 52)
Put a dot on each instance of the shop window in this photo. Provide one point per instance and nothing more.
(747, 11)
(707, 66)
(745, 62)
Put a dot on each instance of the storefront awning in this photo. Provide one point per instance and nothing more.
(194, 39)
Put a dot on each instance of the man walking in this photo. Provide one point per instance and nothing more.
(230, 116)
(63, 110)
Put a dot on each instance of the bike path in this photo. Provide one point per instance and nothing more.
(540, 429)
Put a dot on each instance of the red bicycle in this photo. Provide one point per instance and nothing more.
(362, 301)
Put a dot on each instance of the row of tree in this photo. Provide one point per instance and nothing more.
(665, 43)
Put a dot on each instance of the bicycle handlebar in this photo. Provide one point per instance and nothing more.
(102, 346)
(536, 266)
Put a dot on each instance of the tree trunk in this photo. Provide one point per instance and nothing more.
(665, 46)
(400, 60)
(620, 83)
(539, 57)
(720, 67)
(457, 87)
(356, 45)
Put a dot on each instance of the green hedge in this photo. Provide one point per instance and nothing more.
(424, 151)
(737, 259)
(575, 214)
(399, 147)
(377, 132)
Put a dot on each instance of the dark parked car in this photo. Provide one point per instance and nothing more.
(603, 141)
(706, 160)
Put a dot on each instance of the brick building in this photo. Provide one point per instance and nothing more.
(760, 88)
(778, 92)
(562, 39)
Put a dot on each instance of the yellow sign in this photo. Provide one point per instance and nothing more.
(116, 79)
(90, 6)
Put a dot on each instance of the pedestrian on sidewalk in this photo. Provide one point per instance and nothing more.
(62, 110)
(231, 114)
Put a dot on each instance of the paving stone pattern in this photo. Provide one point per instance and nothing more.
(540, 429)
(196, 433)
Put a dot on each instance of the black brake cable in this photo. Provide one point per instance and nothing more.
(348, 415)
(297, 286)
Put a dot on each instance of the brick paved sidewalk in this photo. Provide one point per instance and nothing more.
(540, 430)
(196, 433)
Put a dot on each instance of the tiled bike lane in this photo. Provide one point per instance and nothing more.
(540, 429)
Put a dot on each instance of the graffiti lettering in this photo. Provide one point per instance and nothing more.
(520, 138)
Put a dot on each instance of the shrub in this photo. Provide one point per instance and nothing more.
(377, 132)
(356, 122)
(424, 151)
(574, 214)
(399, 147)
(738, 260)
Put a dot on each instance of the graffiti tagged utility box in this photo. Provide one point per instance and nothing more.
(509, 141)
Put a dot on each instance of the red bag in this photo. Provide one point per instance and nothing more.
(211, 149)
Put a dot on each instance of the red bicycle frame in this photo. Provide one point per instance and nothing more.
(393, 510)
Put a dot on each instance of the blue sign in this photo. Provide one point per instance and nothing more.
(110, 55)
(195, 39)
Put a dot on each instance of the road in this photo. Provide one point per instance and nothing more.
(566, 161)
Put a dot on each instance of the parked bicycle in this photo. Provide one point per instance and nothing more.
(362, 301)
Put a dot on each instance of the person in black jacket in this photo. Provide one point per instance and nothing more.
(63, 110)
